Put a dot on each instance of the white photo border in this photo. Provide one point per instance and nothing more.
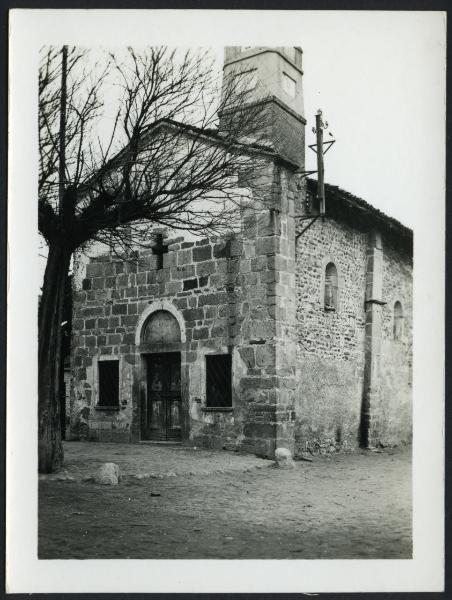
(32, 28)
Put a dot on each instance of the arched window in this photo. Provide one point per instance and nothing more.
(330, 297)
(398, 322)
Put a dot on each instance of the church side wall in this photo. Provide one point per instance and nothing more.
(392, 415)
(331, 344)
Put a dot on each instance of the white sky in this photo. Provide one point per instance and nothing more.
(379, 79)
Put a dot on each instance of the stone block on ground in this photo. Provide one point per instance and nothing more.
(107, 474)
(283, 458)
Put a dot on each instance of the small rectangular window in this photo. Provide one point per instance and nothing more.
(218, 380)
(289, 85)
(398, 322)
(108, 383)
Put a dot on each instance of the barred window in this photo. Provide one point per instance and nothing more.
(108, 383)
(398, 322)
(330, 297)
(218, 380)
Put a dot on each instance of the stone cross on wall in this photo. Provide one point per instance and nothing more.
(159, 249)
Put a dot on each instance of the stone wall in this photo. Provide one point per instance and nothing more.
(330, 344)
(331, 357)
(393, 413)
(230, 296)
(282, 119)
(116, 293)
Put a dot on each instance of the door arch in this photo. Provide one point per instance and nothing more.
(159, 305)
(159, 336)
(161, 327)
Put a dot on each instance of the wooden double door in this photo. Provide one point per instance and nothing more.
(162, 418)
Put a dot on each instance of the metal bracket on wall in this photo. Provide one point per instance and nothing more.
(374, 301)
(305, 173)
(298, 235)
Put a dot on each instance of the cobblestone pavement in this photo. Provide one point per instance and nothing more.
(340, 506)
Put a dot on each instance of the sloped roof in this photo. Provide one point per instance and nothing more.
(214, 134)
(339, 203)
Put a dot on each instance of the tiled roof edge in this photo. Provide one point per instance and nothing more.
(356, 201)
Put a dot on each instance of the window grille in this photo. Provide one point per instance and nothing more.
(108, 383)
(218, 380)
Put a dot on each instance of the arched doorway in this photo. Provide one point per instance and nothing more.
(161, 412)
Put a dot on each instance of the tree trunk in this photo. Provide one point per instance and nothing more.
(50, 449)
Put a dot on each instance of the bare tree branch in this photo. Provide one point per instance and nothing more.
(163, 161)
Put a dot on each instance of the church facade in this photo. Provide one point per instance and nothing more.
(281, 336)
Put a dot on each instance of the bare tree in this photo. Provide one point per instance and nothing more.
(127, 143)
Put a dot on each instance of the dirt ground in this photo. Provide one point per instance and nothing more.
(153, 460)
(339, 506)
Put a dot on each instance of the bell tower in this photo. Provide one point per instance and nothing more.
(274, 81)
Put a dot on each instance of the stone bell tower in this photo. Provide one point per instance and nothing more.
(267, 346)
(274, 81)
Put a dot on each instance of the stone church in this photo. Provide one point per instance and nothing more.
(285, 336)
